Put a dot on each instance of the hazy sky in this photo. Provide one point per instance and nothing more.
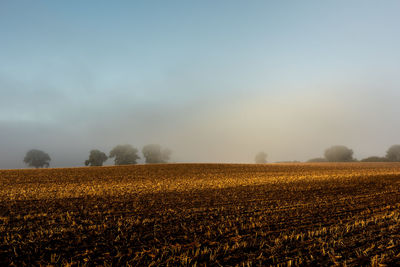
(215, 81)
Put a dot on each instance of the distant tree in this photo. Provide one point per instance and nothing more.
(375, 159)
(261, 158)
(96, 158)
(37, 158)
(124, 154)
(339, 154)
(393, 153)
(317, 160)
(153, 153)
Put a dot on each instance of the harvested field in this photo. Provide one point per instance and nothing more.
(202, 214)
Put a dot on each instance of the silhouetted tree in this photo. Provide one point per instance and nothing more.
(375, 159)
(339, 154)
(37, 158)
(261, 158)
(124, 154)
(96, 158)
(153, 153)
(393, 153)
(317, 160)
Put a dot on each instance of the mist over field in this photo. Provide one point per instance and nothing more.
(214, 82)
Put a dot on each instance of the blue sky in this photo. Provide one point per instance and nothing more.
(216, 81)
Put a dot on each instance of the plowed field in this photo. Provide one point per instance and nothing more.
(202, 214)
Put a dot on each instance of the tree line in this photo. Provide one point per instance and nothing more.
(122, 155)
(154, 153)
(343, 154)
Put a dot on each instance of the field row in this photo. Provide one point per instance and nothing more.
(203, 215)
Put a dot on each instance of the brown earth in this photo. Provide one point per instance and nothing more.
(202, 214)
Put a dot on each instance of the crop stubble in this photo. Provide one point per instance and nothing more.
(202, 214)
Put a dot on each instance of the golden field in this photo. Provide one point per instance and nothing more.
(202, 214)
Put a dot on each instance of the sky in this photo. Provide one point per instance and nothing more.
(214, 81)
